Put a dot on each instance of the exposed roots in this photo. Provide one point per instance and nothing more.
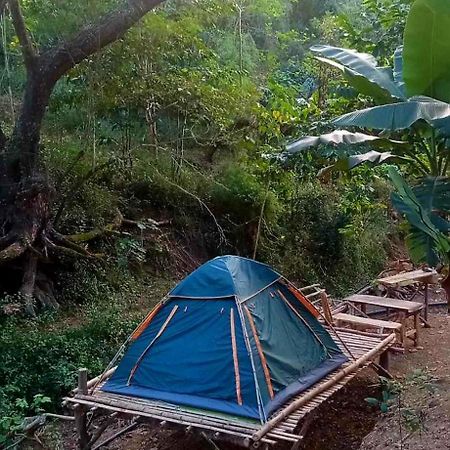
(35, 241)
(8, 240)
(65, 245)
(13, 251)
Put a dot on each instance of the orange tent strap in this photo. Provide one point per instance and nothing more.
(145, 323)
(261, 353)
(304, 301)
(235, 359)
(158, 335)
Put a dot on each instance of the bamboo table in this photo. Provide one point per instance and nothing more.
(408, 278)
(404, 308)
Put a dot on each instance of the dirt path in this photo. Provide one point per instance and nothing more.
(425, 397)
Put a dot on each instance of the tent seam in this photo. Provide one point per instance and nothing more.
(261, 290)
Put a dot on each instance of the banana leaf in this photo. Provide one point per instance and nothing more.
(421, 247)
(341, 137)
(428, 239)
(399, 116)
(362, 72)
(426, 55)
(433, 193)
(373, 157)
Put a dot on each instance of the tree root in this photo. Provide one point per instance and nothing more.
(65, 245)
(35, 244)
(13, 251)
(7, 240)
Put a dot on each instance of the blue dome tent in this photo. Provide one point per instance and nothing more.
(233, 337)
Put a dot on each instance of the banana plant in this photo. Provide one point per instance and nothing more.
(411, 103)
(411, 97)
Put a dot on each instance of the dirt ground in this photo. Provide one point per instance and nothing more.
(425, 398)
(346, 421)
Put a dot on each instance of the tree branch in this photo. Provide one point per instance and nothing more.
(94, 37)
(12, 252)
(28, 51)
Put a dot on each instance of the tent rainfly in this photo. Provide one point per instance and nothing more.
(233, 337)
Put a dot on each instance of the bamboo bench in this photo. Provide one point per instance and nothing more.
(403, 308)
(283, 426)
(366, 322)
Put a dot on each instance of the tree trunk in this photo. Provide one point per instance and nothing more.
(27, 195)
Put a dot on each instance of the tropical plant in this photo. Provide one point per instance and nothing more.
(427, 208)
(406, 111)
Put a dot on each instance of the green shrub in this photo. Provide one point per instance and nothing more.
(41, 359)
(313, 244)
(240, 194)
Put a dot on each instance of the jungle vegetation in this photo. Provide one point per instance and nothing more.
(139, 138)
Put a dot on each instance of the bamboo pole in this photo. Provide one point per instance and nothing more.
(116, 435)
(261, 353)
(178, 419)
(93, 381)
(237, 377)
(321, 388)
(158, 335)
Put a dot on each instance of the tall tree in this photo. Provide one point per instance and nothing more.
(25, 194)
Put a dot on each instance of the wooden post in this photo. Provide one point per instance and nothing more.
(385, 360)
(326, 307)
(82, 381)
(403, 329)
(425, 312)
(80, 413)
(417, 328)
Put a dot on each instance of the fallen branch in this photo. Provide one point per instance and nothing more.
(153, 223)
(70, 249)
(96, 232)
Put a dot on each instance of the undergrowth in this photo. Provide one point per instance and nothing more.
(39, 359)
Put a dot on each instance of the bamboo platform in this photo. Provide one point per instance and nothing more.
(361, 348)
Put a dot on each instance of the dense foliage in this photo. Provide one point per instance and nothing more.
(160, 150)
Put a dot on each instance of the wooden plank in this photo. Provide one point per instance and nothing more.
(407, 278)
(348, 318)
(393, 303)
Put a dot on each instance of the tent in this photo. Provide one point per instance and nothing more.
(233, 337)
